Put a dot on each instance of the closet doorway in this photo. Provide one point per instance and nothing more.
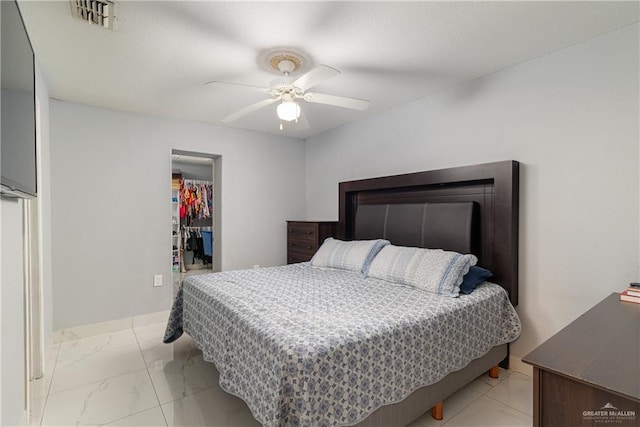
(195, 219)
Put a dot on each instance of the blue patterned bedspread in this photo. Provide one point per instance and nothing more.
(305, 346)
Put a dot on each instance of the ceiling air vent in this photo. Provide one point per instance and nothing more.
(98, 12)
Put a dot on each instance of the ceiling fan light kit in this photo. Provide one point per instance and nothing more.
(288, 111)
(287, 62)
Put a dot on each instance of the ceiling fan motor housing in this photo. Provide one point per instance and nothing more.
(284, 61)
(287, 66)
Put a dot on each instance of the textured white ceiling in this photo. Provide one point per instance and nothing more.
(161, 53)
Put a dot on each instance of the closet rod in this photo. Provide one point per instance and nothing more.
(197, 182)
(200, 228)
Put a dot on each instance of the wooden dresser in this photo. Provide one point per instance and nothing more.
(305, 237)
(588, 374)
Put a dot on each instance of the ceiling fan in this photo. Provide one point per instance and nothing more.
(289, 91)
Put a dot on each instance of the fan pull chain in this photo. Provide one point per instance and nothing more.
(280, 125)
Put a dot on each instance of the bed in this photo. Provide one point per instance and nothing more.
(319, 346)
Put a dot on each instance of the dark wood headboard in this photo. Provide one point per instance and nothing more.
(492, 188)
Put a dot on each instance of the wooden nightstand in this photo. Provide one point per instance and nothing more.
(305, 237)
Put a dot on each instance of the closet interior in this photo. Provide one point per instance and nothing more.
(192, 198)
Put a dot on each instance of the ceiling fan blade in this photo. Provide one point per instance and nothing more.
(339, 101)
(315, 76)
(257, 88)
(250, 109)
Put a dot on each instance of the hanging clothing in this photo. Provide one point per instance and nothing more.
(196, 199)
(207, 242)
(199, 242)
(197, 247)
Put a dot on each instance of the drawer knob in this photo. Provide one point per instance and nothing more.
(308, 231)
(308, 247)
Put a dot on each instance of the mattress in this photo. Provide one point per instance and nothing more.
(307, 346)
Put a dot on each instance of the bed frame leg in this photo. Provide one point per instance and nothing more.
(437, 412)
(493, 372)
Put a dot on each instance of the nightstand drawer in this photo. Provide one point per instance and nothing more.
(302, 230)
(301, 246)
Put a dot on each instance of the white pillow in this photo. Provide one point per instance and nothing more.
(354, 255)
(432, 270)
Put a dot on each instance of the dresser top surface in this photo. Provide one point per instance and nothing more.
(601, 348)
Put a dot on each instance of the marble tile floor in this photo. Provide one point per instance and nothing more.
(130, 378)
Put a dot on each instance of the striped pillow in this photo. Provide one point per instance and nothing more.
(432, 270)
(354, 256)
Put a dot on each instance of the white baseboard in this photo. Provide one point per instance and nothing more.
(150, 319)
(110, 326)
(516, 364)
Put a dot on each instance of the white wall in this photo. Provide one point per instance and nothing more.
(571, 119)
(111, 201)
(199, 171)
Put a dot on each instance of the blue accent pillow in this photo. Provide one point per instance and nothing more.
(473, 278)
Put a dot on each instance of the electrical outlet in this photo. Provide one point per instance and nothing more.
(157, 280)
(256, 265)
